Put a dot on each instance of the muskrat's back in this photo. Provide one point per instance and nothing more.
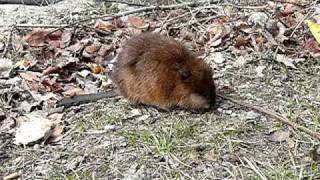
(160, 71)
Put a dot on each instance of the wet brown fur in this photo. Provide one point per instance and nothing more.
(157, 70)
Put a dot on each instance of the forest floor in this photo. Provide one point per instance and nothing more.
(262, 54)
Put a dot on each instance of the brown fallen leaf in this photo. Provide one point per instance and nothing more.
(30, 76)
(311, 45)
(73, 92)
(136, 22)
(288, 9)
(23, 64)
(104, 49)
(104, 25)
(241, 41)
(91, 50)
(215, 30)
(51, 85)
(76, 48)
(279, 136)
(40, 37)
(53, 70)
(260, 41)
(96, 69)
(56, 134)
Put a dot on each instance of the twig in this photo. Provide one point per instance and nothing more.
(253, 167)
(275, 116)
(12, 176)
(37, 25)
(82, 99)
(248, 7)
(300, 22)
(29, 2)
(124, 2)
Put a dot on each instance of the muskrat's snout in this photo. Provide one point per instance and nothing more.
(210, 95)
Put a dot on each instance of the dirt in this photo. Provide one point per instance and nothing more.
(111, 139)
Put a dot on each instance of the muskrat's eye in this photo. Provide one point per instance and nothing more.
(184, 74)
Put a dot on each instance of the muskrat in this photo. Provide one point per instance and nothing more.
(156, 70)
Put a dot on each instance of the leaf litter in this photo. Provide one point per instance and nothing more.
(46, 65)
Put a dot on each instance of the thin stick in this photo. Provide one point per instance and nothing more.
(254, 168)
(8, 45)
(275, 116)
(123, 2)
(37, 25)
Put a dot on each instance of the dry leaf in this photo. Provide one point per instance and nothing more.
(289, 9)
(260, 41)
(73, 92)
(104, 49)
(104, 25)
(285, 60)
(51, 85)
(215, 31)
(136, 22)
(93, 48)
(5, 67)
(30, 76)
(258, 18)
(33, 127)
(311, 44)
(23, 64)
(56, 134)
(241, 41)
(53, 70)
(96, 69)
(280, 136)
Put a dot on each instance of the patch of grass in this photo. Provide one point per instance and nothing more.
(297, 108)
(280, 173)
(134, 137)
(97, 120)
(165, 141)
(79, 175)
(107, 8)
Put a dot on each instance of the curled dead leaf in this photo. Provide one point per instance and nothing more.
(104, 49)
(289, 9)
(280, 136)
(104, 25)
(53, 70)
(96, 69)
(23, 64)
(91, 49)
(30, 76)
(215, 30)
(56, 134)
(73, 92)
(136, 22)
(260, 40)
(32, 127)
(241, 41)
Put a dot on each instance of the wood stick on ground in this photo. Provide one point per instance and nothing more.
(274, 115)
(29, 2)
(82, 99)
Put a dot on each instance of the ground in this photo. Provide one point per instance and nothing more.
(111, 139)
